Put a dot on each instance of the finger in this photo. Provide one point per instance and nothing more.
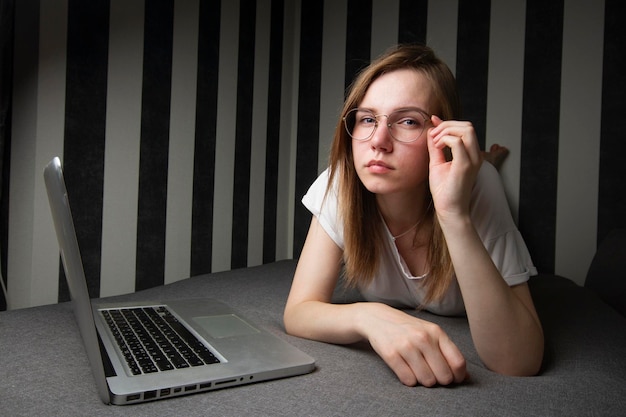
(409, 365)
(440, 369)
(401, 368)
(445, 127)
(470, 141)
(455, 359)
(438, 372)
(423, 370)
(455, 128)
(445, 360)
(437, 155)
(436, 121)
(463, 145)
(426, 359)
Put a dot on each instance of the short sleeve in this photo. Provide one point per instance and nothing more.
(494, 223)
(323, 205)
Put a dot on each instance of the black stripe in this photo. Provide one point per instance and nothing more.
(472, 62)
(7, 36)
(540, 130)
(4, 209)
(358, 38)
(206, 122)
(155, 126)
(273, 131)
(413, 21)
(308, 113)
(85, 121)
(612, 187)
(243, 134)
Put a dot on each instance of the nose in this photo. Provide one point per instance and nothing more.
(381, 140)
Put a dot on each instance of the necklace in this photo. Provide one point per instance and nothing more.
(414, 226)
(411, 228)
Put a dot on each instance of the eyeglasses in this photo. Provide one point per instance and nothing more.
(405, 125)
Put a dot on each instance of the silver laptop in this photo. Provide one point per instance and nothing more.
(161, 349)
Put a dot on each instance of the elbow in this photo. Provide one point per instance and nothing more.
(524, 364)
(287, 322)
(288, 326)
(530, 368)
(290, 322)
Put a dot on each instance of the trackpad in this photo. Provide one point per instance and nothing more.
(228, 325)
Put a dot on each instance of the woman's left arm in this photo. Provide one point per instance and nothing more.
(503, 321)
(505, 327)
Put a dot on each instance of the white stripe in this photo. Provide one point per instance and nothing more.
(50, 133)
(332, 76)
(288, 132)
(259, 132)
(579, 144)
(121, 153)
(442, 28)
(225, 146)
(37, 136)
(182, 138)
(505, 90)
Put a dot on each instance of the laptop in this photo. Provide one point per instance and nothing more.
(179, 346)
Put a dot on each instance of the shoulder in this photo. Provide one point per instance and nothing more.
(317, 193)
(488, 189)
(488, 176)
(492, 218)
(490, 209)
(321, 201)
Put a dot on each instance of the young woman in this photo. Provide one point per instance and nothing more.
(409, 214)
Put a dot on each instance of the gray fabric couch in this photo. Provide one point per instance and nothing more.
(45, 371)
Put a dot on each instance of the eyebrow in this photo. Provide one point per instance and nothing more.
(396, 110)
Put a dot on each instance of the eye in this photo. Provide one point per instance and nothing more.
(365, 119)
(409, 120)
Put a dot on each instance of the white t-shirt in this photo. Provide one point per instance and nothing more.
(393, 283)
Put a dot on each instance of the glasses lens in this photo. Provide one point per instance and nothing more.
(407, 125)
(360, 124)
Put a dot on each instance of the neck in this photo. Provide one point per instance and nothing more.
(403, 215)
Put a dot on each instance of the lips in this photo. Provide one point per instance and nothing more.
(377, 163)
(378, 167)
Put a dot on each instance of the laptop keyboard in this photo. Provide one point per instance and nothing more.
(153, 340)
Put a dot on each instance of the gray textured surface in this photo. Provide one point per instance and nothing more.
(45, 371)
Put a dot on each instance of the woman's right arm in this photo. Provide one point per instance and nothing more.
(416, 350)
(309, 312)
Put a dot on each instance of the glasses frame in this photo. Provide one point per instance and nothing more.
(425, 114)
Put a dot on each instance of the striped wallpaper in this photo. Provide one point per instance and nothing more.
(190, 129)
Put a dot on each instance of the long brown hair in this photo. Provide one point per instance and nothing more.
(363, 231)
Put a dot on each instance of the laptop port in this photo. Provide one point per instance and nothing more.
(228, 381)
(190, 388)
(205, 385)
(148, 395)
(165, 392)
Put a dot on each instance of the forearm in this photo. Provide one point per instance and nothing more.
(325, 322)
(342, 323)
(505, 329)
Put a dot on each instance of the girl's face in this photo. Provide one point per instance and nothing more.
(385, 165)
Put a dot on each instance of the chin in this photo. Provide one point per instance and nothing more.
(376, 186)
